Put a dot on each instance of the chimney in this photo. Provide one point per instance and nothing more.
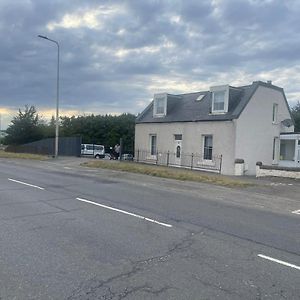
(269, 82)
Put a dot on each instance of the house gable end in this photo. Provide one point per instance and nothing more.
(250, 91)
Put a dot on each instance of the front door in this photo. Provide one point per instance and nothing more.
(178, 150)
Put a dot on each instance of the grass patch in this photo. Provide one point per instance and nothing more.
(4, 154)
(165, 172)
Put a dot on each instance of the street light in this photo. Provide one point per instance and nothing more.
(57, 95)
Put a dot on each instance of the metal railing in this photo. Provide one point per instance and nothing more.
(194, 161)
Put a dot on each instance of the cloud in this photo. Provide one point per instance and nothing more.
(89, 18)
(116, 54)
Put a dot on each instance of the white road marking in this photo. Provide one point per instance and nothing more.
(125, 212)
(21, 182)
(279, 261)
(297, 212)
(68, 168)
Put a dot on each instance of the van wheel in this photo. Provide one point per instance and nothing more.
(97, 156)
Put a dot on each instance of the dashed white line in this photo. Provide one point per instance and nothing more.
(125, 212)
(67, 168)
(297, 212)
(279, 261)
(21, 182)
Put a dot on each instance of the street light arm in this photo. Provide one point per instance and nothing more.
(46, 38)
(42, 37)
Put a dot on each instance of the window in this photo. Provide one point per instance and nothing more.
(153, 144)
(178, 137)
(178, 150)
(275, 112)
(287, 150)
(200, 97)
(218, 101)
(275, 150)
(207, 147)
(99, 148)
(160, 105)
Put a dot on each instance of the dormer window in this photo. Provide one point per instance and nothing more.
(220, 95)
(219, 101)
(160, 105)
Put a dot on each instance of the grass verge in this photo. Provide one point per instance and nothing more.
(4, 154)
(165, 172)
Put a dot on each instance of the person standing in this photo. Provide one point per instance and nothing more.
(117, 151)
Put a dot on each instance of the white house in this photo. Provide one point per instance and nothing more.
(218, 128)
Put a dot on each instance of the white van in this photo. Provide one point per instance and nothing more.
(96, 151)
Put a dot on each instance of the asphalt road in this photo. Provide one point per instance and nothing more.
(68, 232)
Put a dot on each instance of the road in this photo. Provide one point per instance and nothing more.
(69, 232)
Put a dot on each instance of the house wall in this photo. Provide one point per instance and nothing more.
(255, 130)
(192, 138)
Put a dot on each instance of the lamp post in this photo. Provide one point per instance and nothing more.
(57, 96)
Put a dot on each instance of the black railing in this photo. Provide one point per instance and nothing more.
(194, 161)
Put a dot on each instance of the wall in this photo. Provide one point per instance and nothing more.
(192, 132)
(266, 171)
(68, 146)
(254, 128)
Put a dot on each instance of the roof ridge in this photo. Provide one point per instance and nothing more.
(191, 93)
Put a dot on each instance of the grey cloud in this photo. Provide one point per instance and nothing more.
(207, 40)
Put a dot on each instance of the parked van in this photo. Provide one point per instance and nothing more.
(96, 151)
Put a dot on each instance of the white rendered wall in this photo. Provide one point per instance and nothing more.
(255, 130)
(192, 138)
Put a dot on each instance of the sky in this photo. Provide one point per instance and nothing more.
(114, 55)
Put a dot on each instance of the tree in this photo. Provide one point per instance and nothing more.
(24, 128)
(98, 129)
(48, 128)
(296, 116)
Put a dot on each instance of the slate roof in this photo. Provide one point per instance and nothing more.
(185, 107)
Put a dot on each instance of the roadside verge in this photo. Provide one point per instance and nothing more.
(4, 154)
(168, 172)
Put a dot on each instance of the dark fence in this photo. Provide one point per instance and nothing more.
(67, 146)
(194, 161)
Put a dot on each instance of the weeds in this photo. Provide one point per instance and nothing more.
(4, 154)
(165, 172)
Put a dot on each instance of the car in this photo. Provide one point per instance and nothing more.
(97, 151)
(127, 156)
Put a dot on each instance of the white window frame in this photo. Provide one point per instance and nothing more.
(160, 97)
(218, 89)
(275, 113)
(203, 147)
(151, 145)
